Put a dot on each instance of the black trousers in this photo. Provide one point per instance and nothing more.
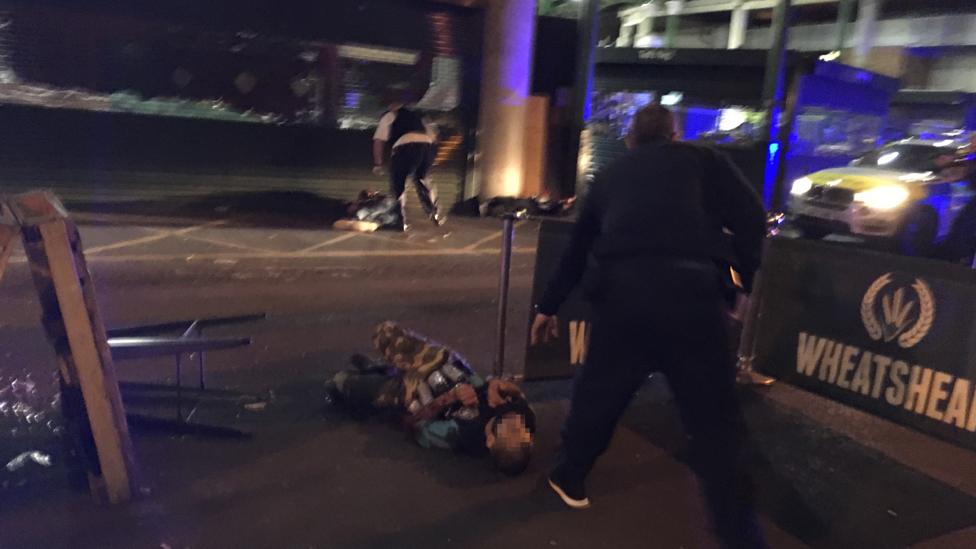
(653, 316)
(366, 392)
(413, 160)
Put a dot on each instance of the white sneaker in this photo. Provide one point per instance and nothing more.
(574, 502)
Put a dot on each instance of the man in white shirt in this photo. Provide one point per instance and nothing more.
(411, 155)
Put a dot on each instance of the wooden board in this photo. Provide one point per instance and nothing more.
(75, 328)
(9, 229)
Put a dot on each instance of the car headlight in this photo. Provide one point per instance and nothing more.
(801, 186)
(883, 198)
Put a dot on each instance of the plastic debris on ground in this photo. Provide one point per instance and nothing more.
(256, 406)
(37, 457)
(536, 206)
(31, 427)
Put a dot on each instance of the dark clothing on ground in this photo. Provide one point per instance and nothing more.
(663, 200)
(413, 160)
(653, 222)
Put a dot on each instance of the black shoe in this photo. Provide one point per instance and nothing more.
(573, 494)
(438, 219)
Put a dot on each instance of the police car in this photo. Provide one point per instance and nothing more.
(906, 193)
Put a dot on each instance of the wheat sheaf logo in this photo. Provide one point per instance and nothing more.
(904, 317)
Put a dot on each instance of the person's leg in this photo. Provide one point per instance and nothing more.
(700, 371)
(426, 190)
(361, 391)
(615, 367)
(401, 164)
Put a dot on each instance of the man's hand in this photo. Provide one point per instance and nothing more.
(378, 171)
(500, 391)
(544, 329)
(465, 395)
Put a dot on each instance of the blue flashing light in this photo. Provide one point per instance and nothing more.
(769, 178)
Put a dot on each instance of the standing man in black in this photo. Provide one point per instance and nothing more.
(412, 154)
(650, 232)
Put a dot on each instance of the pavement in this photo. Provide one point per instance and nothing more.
(311, 476)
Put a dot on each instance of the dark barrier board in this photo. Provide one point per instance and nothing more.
(891, 335)
(562, 357)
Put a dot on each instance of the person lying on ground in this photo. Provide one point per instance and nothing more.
(450, 407)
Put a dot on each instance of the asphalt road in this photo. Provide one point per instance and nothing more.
(312, 477)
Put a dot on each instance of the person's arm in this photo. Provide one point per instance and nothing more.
(500, 391)
(379, 146)
(742, 213)
(430, 432)
(464, 394)
(432, 410)
(573, 263)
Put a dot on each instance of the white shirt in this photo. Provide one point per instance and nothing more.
(386, 124)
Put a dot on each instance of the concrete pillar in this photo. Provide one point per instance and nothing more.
(738, 26)
(645, 28)
(844, 11)
(505, 87)
(867, 28)
(626, 38)
(673, 23)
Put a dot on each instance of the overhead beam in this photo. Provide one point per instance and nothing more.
(699, 7)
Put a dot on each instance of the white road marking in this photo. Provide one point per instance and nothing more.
(490, 237)
(219, 242)
(329, 242)
(295, 255)
(151, 238)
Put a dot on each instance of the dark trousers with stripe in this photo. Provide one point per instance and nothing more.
(656, 316)
(413, 160)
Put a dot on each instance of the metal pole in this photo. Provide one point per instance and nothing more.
(745, 372)
(508, 235)
(588, 34)
(746, 356)
(179, 389)
(201, 367)
(844, 13)
(772, 95)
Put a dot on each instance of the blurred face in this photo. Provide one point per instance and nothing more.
(507, 431)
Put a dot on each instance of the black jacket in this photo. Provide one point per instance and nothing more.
(664, 199)
(407, 121)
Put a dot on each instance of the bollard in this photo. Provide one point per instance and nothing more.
(745, 373)
(745, 358)
(508, 235)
